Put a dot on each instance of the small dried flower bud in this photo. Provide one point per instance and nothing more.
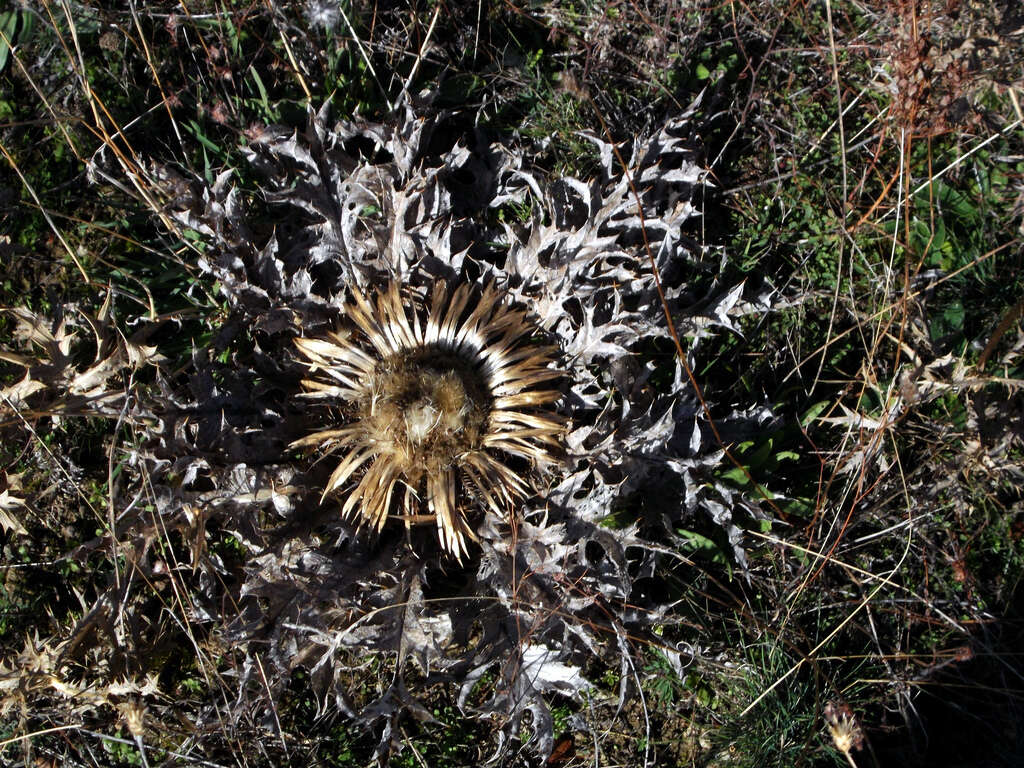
(843, 727)
(134, 717)
(964, 653)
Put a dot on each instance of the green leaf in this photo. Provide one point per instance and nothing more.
(699, 544)
(735, 475)
(954, 315)
(813, 412)
(8, 25)
(761, 455)
(264, 99)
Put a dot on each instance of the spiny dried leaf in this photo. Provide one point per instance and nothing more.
(9, 506)
(540, 590)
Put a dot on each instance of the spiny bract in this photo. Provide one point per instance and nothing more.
(434, 405)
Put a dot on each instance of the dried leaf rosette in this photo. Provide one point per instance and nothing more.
(380, 246)
(433, 407)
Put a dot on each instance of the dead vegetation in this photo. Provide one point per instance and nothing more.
(772, 254)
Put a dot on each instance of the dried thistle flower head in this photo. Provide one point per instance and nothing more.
(436, 400)
(844, 729)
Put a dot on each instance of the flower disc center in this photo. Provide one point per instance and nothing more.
(427, 406)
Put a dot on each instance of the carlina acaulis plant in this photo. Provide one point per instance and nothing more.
(439, 404)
